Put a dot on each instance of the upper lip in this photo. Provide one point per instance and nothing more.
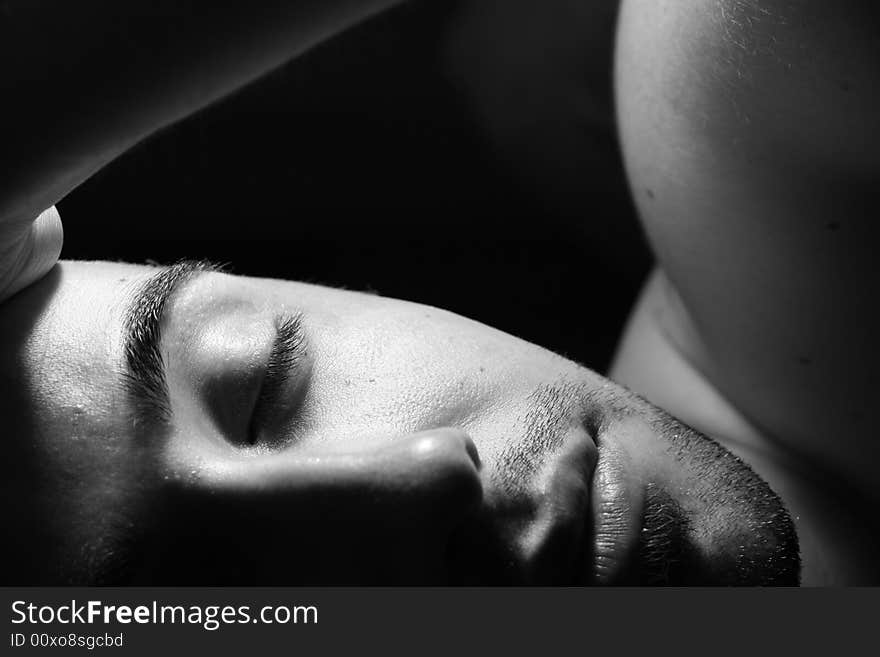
(616, 518)
(582, 528)
(557, 543)
(587, 530)
(539, 538)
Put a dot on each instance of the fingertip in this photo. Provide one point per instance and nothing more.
(48, 238)
(38, 253)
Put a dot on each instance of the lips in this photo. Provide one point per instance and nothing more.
(533, 535)
(578, 525)
(555, 546)
(588, 528)
(616, 514)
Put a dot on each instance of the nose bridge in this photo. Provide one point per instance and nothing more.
(429, 477)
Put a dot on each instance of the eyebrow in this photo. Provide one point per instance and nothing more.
(145, 382)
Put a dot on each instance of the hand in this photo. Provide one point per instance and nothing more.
(28, 252)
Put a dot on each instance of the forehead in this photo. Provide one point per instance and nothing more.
(71, 456)
(63, 357)
(71, 341)
(66, 333)
(74, 345)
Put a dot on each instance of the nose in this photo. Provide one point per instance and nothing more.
(437, 469)
(375, 514)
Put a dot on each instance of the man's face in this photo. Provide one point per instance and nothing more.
(183, 426)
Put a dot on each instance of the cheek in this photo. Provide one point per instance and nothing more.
(374, 380)
(384, 367)
(391, 372)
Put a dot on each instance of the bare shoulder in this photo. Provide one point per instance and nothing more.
(751, 141)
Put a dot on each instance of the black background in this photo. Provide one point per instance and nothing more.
(370, 163)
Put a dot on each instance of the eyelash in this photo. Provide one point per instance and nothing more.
(287, 350)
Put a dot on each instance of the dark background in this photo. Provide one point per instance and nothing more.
(459, 154)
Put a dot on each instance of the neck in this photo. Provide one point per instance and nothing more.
(833, 506)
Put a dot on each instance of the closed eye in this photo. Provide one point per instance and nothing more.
(288, 349)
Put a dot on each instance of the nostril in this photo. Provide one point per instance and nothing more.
(446, 469)
(471, 449)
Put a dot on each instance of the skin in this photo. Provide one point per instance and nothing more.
(748, 130)
(418, 447)
(749, 134)
(88, 93)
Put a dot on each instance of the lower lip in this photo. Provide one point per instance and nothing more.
(616, 513)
